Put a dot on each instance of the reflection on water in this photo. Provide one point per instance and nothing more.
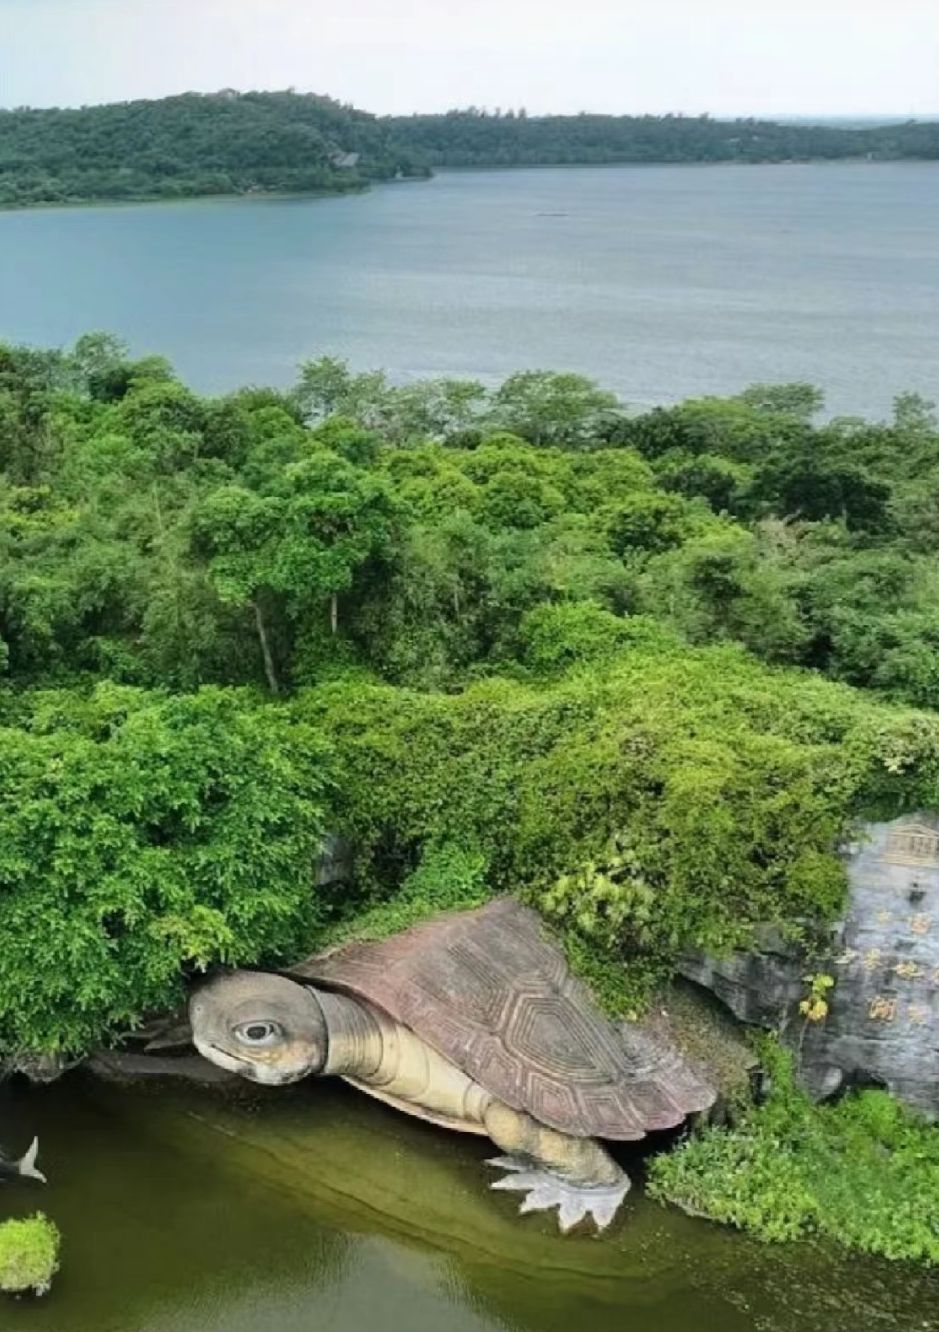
(183, 1212)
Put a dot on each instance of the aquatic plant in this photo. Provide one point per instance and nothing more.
(863, 1173)
(29, 1254)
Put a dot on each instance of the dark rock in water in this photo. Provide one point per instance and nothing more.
(38, 1068)
(127, 1067)
(882, 1027)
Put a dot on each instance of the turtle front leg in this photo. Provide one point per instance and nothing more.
(554, 1169)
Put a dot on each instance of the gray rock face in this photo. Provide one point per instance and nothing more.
(335, 861)
(883, 1023)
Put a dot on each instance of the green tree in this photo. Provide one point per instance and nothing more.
(800, 400)
(142, 835)
(545, 407)
(285, 555)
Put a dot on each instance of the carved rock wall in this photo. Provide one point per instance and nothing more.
(883, 1024)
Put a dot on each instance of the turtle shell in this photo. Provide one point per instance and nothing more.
(490, 991)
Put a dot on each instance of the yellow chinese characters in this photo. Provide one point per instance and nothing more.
(882, 1008)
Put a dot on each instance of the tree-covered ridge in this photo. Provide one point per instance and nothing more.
(255, 142)
(475, 137)
(504, 639)
(225, 143)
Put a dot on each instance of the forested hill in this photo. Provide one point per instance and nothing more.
(244, 143)
(477, 138)
(224, 143)
(503, 640)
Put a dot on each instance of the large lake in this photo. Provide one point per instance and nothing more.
(660, 281)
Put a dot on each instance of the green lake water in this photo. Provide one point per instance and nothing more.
(663, 282)
(315, 1208)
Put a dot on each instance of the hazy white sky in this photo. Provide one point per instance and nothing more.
(722, 56)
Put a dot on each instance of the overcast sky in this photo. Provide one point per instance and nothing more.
(768, 57)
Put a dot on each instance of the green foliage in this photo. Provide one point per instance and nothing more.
(164, 539)
(29, 1254)
(547, 408)
(655, 799)
(863, 1173)
(520, 616)
(474, 137)
(256, 142)
(140, 835)
(555, 637)
(447, 878)
(723, 586)
(814, 1007)
(803, 401)
(221, 143)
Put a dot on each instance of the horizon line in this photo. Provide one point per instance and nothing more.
(889, 117)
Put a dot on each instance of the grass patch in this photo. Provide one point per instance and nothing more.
(863, 1172)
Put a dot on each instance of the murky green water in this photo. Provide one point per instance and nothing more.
(318, 1209)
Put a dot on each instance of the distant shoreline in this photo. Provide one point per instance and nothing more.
(110, 201)
(233, 144)
(273, 196)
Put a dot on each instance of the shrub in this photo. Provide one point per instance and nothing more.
(864, 1172)
(657, 800)
(141, 835)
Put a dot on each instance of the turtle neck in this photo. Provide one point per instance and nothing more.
(353, 1036)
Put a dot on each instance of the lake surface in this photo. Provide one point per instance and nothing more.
(317, 1208)
(662, 282)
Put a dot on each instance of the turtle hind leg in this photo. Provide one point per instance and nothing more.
(554, 1169)
(545, 1189)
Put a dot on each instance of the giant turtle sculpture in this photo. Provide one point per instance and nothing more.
(472, 1021)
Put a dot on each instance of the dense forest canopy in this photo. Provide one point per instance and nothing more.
(226, 143)
(237, 143)
(501, 639)
(475, 137)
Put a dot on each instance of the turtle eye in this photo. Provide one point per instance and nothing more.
(258, 1033)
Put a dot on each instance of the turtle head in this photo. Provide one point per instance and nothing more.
(267, 1028)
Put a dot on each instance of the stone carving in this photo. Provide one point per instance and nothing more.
(474, 1022)
(488, 990)
(882, 1027)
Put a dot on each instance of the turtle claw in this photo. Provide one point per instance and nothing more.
(509, 1163)
(545, 1190)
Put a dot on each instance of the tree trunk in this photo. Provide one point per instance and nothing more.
(265, 650)
(334, 613)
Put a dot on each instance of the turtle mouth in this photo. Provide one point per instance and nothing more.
(223, 1058)
(264, 1073)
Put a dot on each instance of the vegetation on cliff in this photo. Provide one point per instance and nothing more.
(513, 639)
